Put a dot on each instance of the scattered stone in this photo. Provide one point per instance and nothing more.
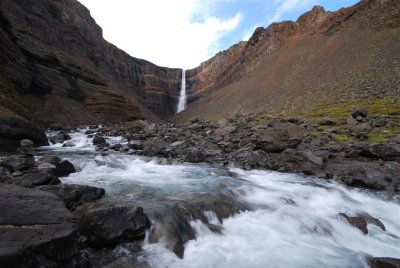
(362, 129)
(326, 121)
(224, 131)
(359, 112)
(140, 125)
(135, 145)
(195, 156)
(116, 147)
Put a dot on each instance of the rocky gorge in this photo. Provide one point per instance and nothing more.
(351, 152)
(272, 160)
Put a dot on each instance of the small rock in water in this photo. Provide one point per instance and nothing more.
(64, 168)
(69, 144)
(99, 140)
(360, 221)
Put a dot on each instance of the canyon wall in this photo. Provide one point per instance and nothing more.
(57, 68)
(348, 57)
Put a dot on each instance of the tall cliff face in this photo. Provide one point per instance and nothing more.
(56, 67)
(324, 59)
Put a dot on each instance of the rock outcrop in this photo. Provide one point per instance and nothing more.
(35, 229)
(57, 68)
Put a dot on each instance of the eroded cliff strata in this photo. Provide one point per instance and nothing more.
(57, 68)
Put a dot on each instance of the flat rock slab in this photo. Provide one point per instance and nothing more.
(35, 228)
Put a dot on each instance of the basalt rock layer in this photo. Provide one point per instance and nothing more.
(325, 63)
(57, 68)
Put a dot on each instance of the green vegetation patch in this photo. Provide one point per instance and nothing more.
(340, 137)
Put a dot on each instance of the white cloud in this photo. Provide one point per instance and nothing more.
(173, 33)
(285, 6)
(279, 9)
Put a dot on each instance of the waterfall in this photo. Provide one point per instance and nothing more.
(182, 97)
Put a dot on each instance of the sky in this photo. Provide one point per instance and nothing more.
(184, 33)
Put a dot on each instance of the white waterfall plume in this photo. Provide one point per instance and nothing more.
(182, 97)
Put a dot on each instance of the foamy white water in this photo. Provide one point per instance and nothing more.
(292, 221)
(182, 97)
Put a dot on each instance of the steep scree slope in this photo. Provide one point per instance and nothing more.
(325, 63)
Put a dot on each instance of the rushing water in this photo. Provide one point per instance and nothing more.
(286, 220)
(182, 97)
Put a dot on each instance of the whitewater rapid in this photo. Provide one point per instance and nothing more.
(292, 220)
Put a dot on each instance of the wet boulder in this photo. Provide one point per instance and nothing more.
(384, 263)
(360, 221)
(74, 195)
(36, 230)
(61, 167)
(107, 224)
(98, 140)
(64, 168)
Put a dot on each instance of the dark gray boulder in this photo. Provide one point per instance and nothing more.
(384, 263)
(36, 230)
(74, 195)
(98, 140)
(107, 224)
(385, 151)
(281, 137)
(370, 175)
(64, 168)
(61, 167)
(359, 112)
